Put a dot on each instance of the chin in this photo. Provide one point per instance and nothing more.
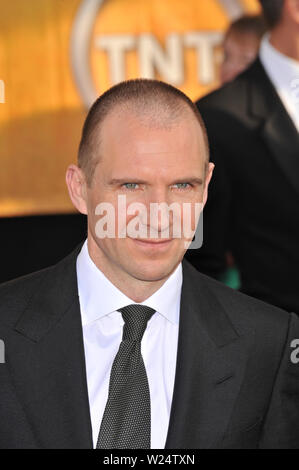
(149, 271)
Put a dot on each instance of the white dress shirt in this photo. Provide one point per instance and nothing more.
(102, 334)
(283, 71)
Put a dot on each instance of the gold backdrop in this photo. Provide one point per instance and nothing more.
(45, 73)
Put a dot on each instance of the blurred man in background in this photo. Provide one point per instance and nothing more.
(253, 127)
(241, 45)
(240, 48)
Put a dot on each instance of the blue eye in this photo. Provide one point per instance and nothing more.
(130, 185)
(182, 185)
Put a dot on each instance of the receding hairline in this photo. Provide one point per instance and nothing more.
(156, 104)
(148, 118)
(153, 115)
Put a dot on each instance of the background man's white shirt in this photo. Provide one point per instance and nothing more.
(284, 74)
(102, 333)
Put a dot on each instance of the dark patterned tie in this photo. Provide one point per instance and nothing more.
(126, 422)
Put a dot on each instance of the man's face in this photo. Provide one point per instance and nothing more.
(240, 50)
(146, 165)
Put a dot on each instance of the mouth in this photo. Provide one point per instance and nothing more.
(152, 244)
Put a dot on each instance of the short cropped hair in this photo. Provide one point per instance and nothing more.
(272, 11)
(252, 24)
(149, 98)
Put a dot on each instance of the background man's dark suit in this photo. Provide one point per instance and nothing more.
(252, 208)
(235, 385)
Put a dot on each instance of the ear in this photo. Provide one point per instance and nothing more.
(292, 7)
(207, 181)
(76, 184)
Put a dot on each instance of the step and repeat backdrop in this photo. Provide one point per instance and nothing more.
(57, 56)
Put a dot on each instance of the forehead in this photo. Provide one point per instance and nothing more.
(127, 138)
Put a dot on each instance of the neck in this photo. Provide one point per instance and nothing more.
(136, 289)
(285, 39)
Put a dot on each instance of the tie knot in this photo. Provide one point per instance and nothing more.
(135, 318)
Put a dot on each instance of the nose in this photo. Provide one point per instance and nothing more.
(158, 215)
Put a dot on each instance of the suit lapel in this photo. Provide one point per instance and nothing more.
(211, 362)
(48, 365)
(277, 130)
(283, 141)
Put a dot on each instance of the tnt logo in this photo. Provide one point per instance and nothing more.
(2, 92)
(165, 61)
(174, 41)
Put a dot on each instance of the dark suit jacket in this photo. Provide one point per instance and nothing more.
(235, 385)
(253, 201)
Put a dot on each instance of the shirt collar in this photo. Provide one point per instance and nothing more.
(276, 63)
(99, 297)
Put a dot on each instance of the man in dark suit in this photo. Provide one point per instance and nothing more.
(252, 210)
(121, 345)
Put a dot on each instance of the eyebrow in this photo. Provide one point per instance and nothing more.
(120, 181)
(195, 181)
(116, 181)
